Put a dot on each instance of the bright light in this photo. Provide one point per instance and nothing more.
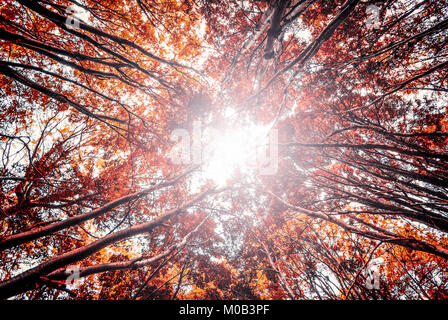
(239, 146)
(232, 149)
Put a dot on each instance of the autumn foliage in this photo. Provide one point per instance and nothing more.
(91, 91)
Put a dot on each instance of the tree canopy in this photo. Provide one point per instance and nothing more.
(225, 149)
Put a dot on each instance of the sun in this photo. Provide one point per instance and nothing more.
(236, 148)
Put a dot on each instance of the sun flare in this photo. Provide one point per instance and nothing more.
(232, 150)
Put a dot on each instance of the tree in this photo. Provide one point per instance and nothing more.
(93, 91)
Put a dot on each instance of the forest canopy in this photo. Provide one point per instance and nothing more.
(225, 149)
